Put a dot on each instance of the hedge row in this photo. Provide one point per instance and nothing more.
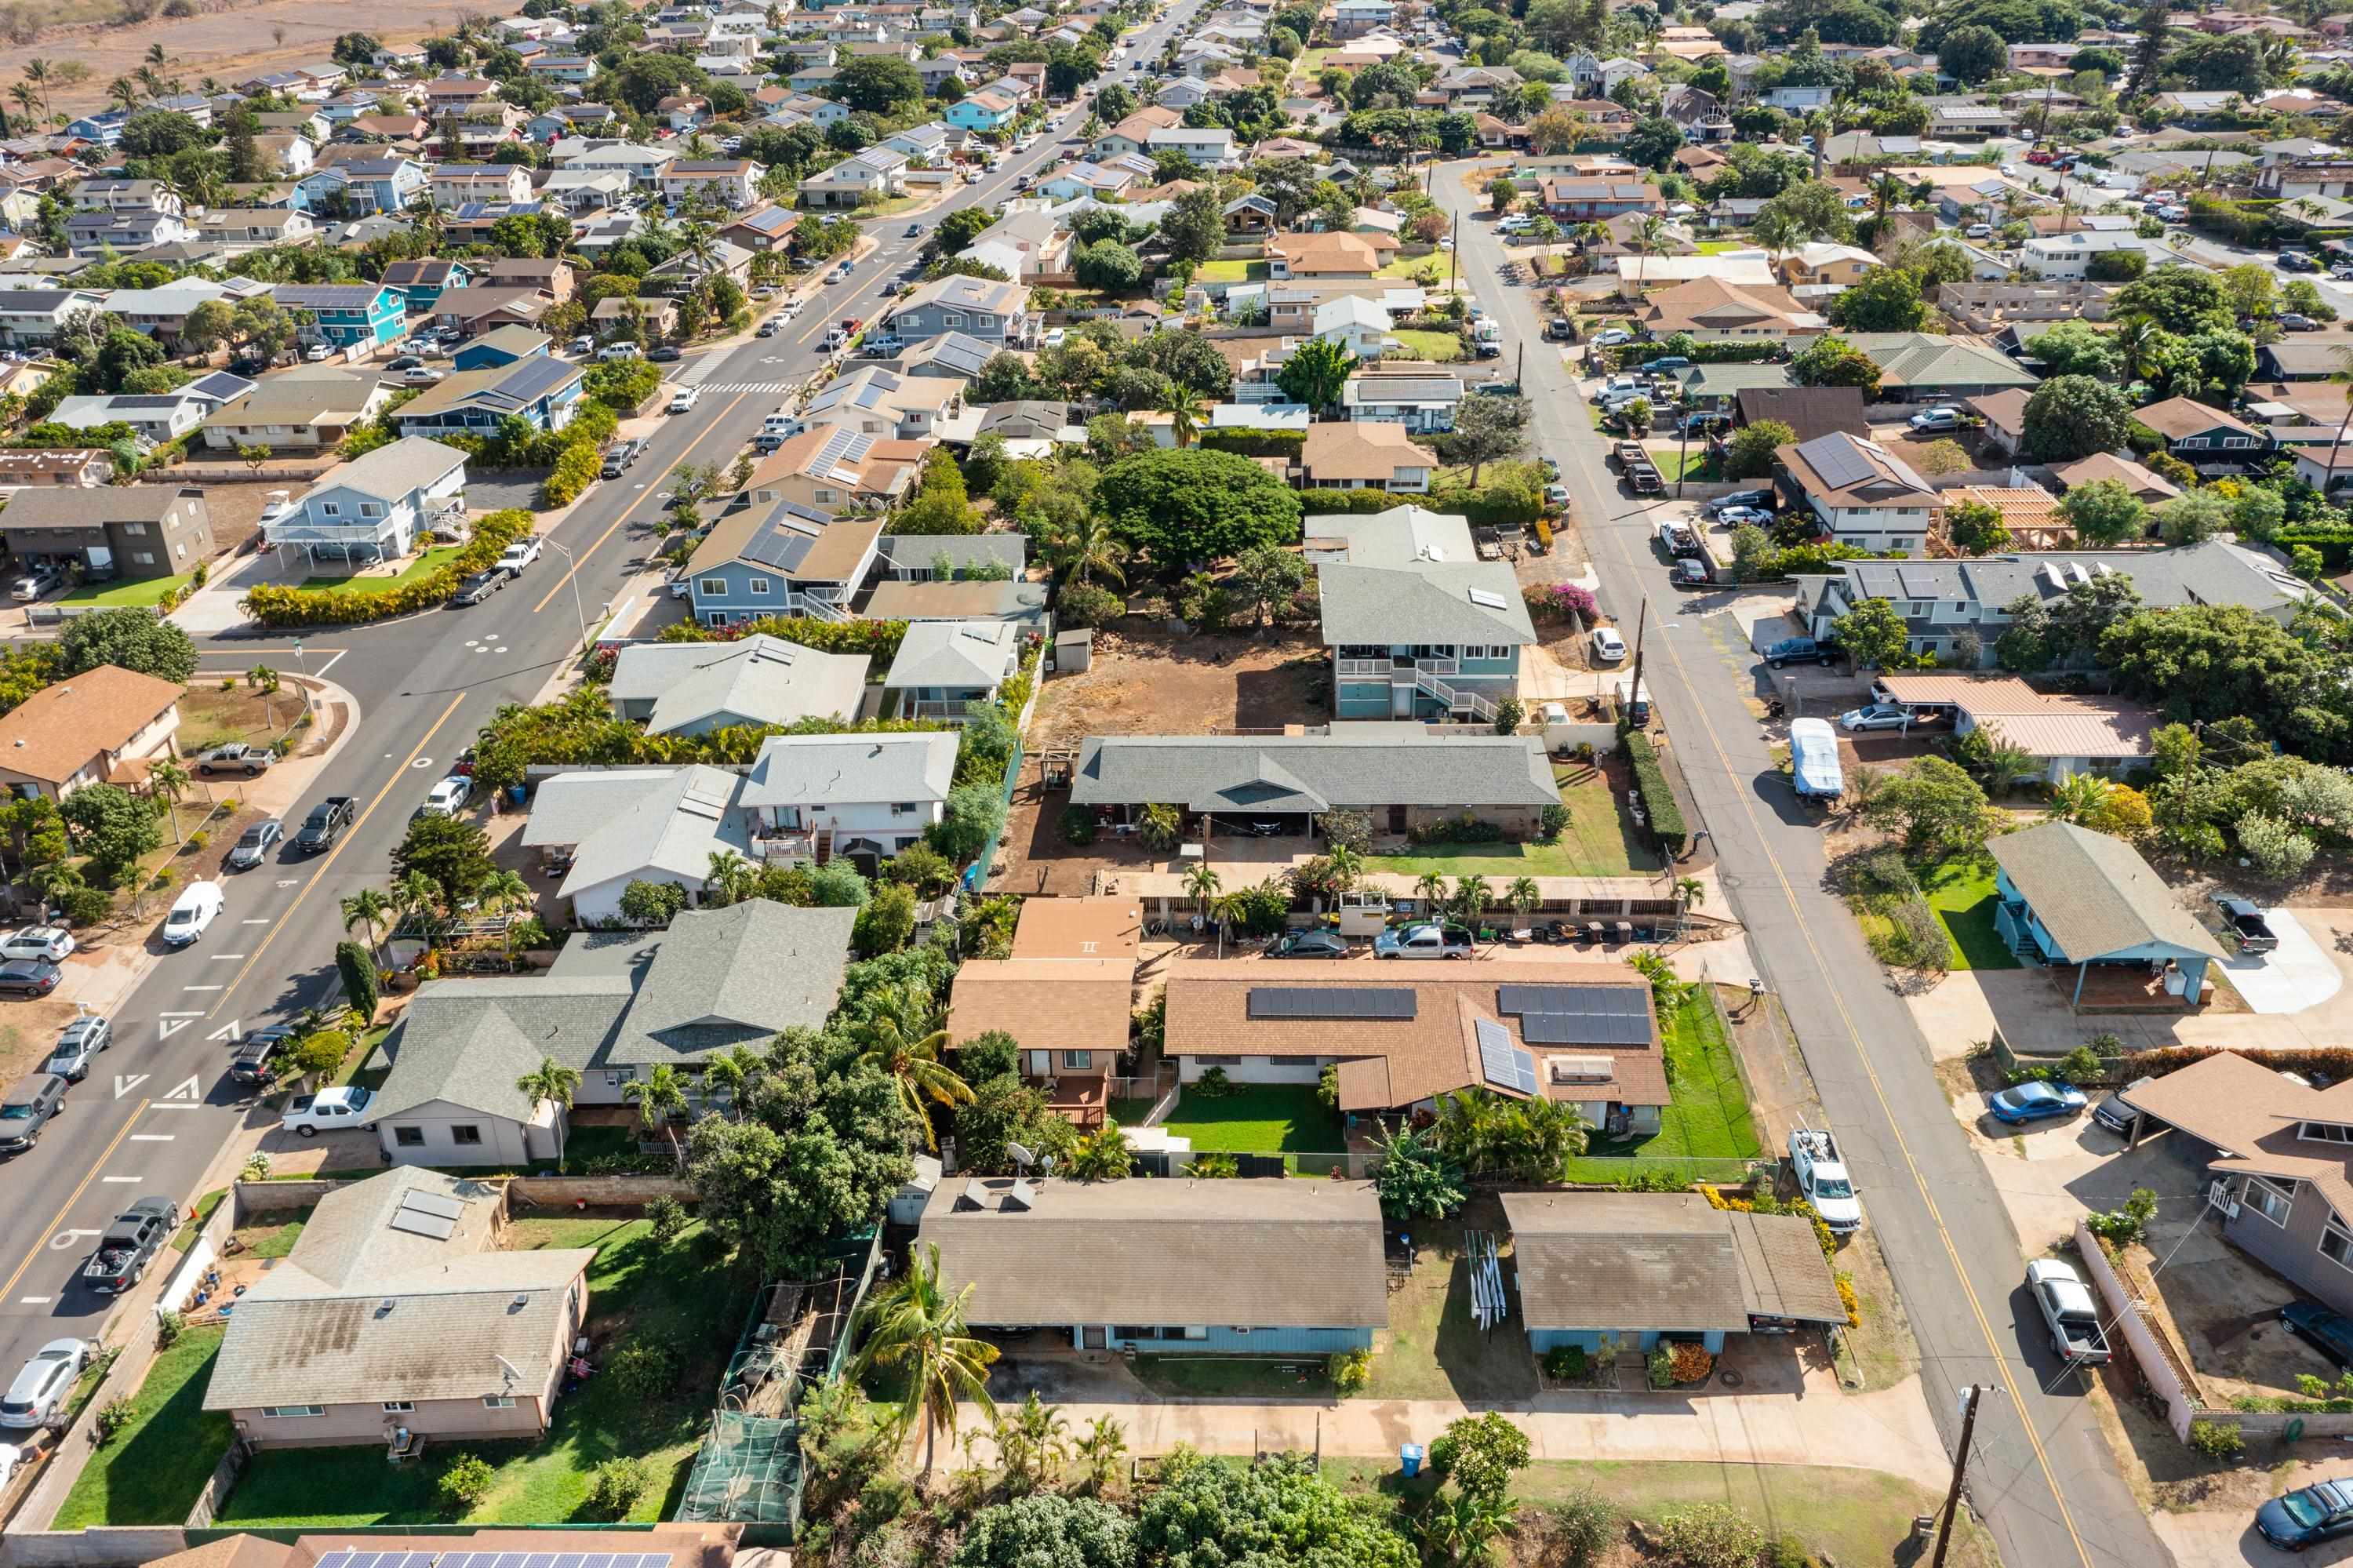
(1634, 354)
(276, 604)
(1334, 503)
(879, 640)
(574, 473)
(2335, 544)
(1657, 800)
(1255, 443)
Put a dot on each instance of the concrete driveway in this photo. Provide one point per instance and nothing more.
(2295, 975)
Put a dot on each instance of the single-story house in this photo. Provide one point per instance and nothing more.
(2066, 733)
(310, 408)
(1065, 994)
(104, 725)
(1182, 1267)
(1023, 604)
(399, 1312)
(1603, 1271)
(693, 688)
(1809, 411)
(2067, 895)
(866, 796)
(944, 666)
(1366, 454)
(542, 390)
(2201, 433)
(606, 829)
(1923, 368)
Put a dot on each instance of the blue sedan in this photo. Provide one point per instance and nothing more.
(2034, 1101)
(2307, 1516)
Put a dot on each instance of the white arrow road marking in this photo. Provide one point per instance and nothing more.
(171, 1027)
(126, 1082)
(188, 1090)
(226, 1032)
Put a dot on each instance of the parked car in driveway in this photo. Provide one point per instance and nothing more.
(2116, 1113)
(29, 977)
(1608, 646)
(2326, 1330)
(2036, 1101)
(329, 1110)
(2248, 930)
(49, 943)
(2307, 1516)
(445, 799)
(253, 845)
(1429, 940)
(1936, 419)
(2294, 322)
(1310, 945)
(2070, 1311)
(38, 1397)
(238, 757)
(78, 1046)
(1878, 716)
(1739, 516)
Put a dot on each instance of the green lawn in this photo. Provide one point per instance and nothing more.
(1718, 246)
(1598, 842)
(1437, 347)
(186, 1237)
(153, 1469)
(1694, 463)
(277, 1238)
(1961, 893)
(1257, 1118)
(1708, 1119)
(1232, 270)
(1407, 266)
(144, 593)
(684, 1295)
(1434, 1348)
(430, 561)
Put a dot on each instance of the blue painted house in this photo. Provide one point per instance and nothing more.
(501, 345)
(983, 110)
(423, 281)
(780, 558)
(1418, 627)
(2067, 895)
(346, 313)
(106, 129)
(1612, 1272)
(1187, 1268)
(370, 186)
(542, 390)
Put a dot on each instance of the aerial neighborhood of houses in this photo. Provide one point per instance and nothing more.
(1140, 783)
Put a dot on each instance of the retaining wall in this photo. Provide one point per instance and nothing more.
(97, 1547)
(597, 1191)
(251, 1198)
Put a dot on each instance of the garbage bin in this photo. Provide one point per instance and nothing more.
(515, 793)
(1409, 1457)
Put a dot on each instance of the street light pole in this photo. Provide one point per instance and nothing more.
(572, 570)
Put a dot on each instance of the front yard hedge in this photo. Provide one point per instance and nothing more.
(277, 604)
(1658, 799)
(879, 640)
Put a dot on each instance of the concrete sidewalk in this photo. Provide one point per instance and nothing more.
(1889, 1431)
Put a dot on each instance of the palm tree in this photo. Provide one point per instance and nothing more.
(1101, 1451)
(1471, 898)
(2081, 798)
(1103, 1155)
(1086, 546)
(505, 890)
(731, 877)
(2133, 340)
(418, 896)
(123, 90)
(1347, 866)
(554, 1081)
(912, 1061)
(39, 74)
(1201, 884)
(1462, 1528)
(2344, 373)
(371, 911)
(1184, 406)
(1523, 896)
(659, 1095)
(25, 97)
(1033, 1445)
(915, 1327)
(1431, 888)
(733, 1071)
(171, 782)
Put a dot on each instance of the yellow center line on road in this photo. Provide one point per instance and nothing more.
(320, 875)
(66, 1208)
(581, 559)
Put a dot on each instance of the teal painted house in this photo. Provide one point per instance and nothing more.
(344, 314)
(1418, 627)
(1247, 1267)
(2068, 897)
(1619, 1272)
(423, 280)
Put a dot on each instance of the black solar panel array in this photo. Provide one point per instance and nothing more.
(496, 1560)
(1331, 1002)
(1583, 1029)
(1608, 1000)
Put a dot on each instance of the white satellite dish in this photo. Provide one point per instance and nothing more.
(1022, 1154)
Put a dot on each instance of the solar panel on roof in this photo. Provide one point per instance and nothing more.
(433, 1204)
(1611, 1000)
(1583, 1029)
(1304, 1001)
(1838, 461)
(418, 1225)
(1501, 1062)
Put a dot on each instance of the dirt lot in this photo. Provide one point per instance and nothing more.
(227, 40)
(1154, 682)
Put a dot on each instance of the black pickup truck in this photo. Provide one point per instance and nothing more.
(129, 1244)
(2248, 928)
(326, 823)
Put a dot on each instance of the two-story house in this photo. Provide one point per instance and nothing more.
(454, 184)
(1421, 398)
(540, 389)
(879, 402)
(779, 558)
(993, 312)
(342, 314)
(867, 797)
(127, 531)
(1417, 626)
(725, 183)
(875, 174)
(423, 280)
(1861, 493)
(1208, 147)
(943, 667)
(826, 469)
(376, 506)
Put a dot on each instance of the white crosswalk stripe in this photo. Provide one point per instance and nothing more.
(754, 386)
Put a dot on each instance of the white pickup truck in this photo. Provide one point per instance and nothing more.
(329, 1110)
(1822, 1179)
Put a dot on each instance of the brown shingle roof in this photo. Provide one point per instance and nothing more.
(1047, 1004)
(2178, 417)
(60, 730)
(1361, 449)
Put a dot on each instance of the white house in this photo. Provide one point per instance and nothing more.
(2052, 256)
(373, 507)
(1211, 148)
(812, 797)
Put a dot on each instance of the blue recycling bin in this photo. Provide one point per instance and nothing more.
(1409, 1457)
(515, 793)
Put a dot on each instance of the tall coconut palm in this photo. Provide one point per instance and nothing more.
(418, 897)
(2133, 340)
(373, 913)
(916, 1328)
(38, 74)
(556, 1084)
(1523, 896)
(1183, 407)
(1347, 866)
(1201, 884)
(1472, 896)
(1087, 547)
(1431, 888)
(505, 890)
(170, 781)
(659, 1095)
(733, 1071)
(896, 1041)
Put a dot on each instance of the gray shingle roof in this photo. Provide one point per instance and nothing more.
(851, 770)
(1362, 765)
(629, 821)
(1258, 1253)
(2095, 894)
(466, 1042)
(1012, 550)
(763, 680)
(2215, 572)
(1923, 359)
(717, 978)
(362, 1312)
(389, 473)
(1426, 601)
(1619, 1261)
(953, 653)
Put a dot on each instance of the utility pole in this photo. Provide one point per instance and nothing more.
(1642, 624)
(1969, 1397)
(1454, 252)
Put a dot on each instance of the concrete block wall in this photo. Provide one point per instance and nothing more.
(97, 1547)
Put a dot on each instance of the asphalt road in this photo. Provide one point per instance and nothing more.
(156, 1107)
(2043, 1476)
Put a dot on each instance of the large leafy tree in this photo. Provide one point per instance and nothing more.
(2074, 349)
(1804, 210)
(1487, 429)
(1874, 635)
(454, 855)
(1177, 506)
(1195, 225)
(1972, 54)
(2177, 297)
(1886, 299)
(132, 639)
(2071, 417)
(1831, 361)
(1316, 372)
(1048, 1531)
(877, 83)
(2103, 511)
(1935, 805)
(112, 826)
(2214, 661)
(1205, 1514)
